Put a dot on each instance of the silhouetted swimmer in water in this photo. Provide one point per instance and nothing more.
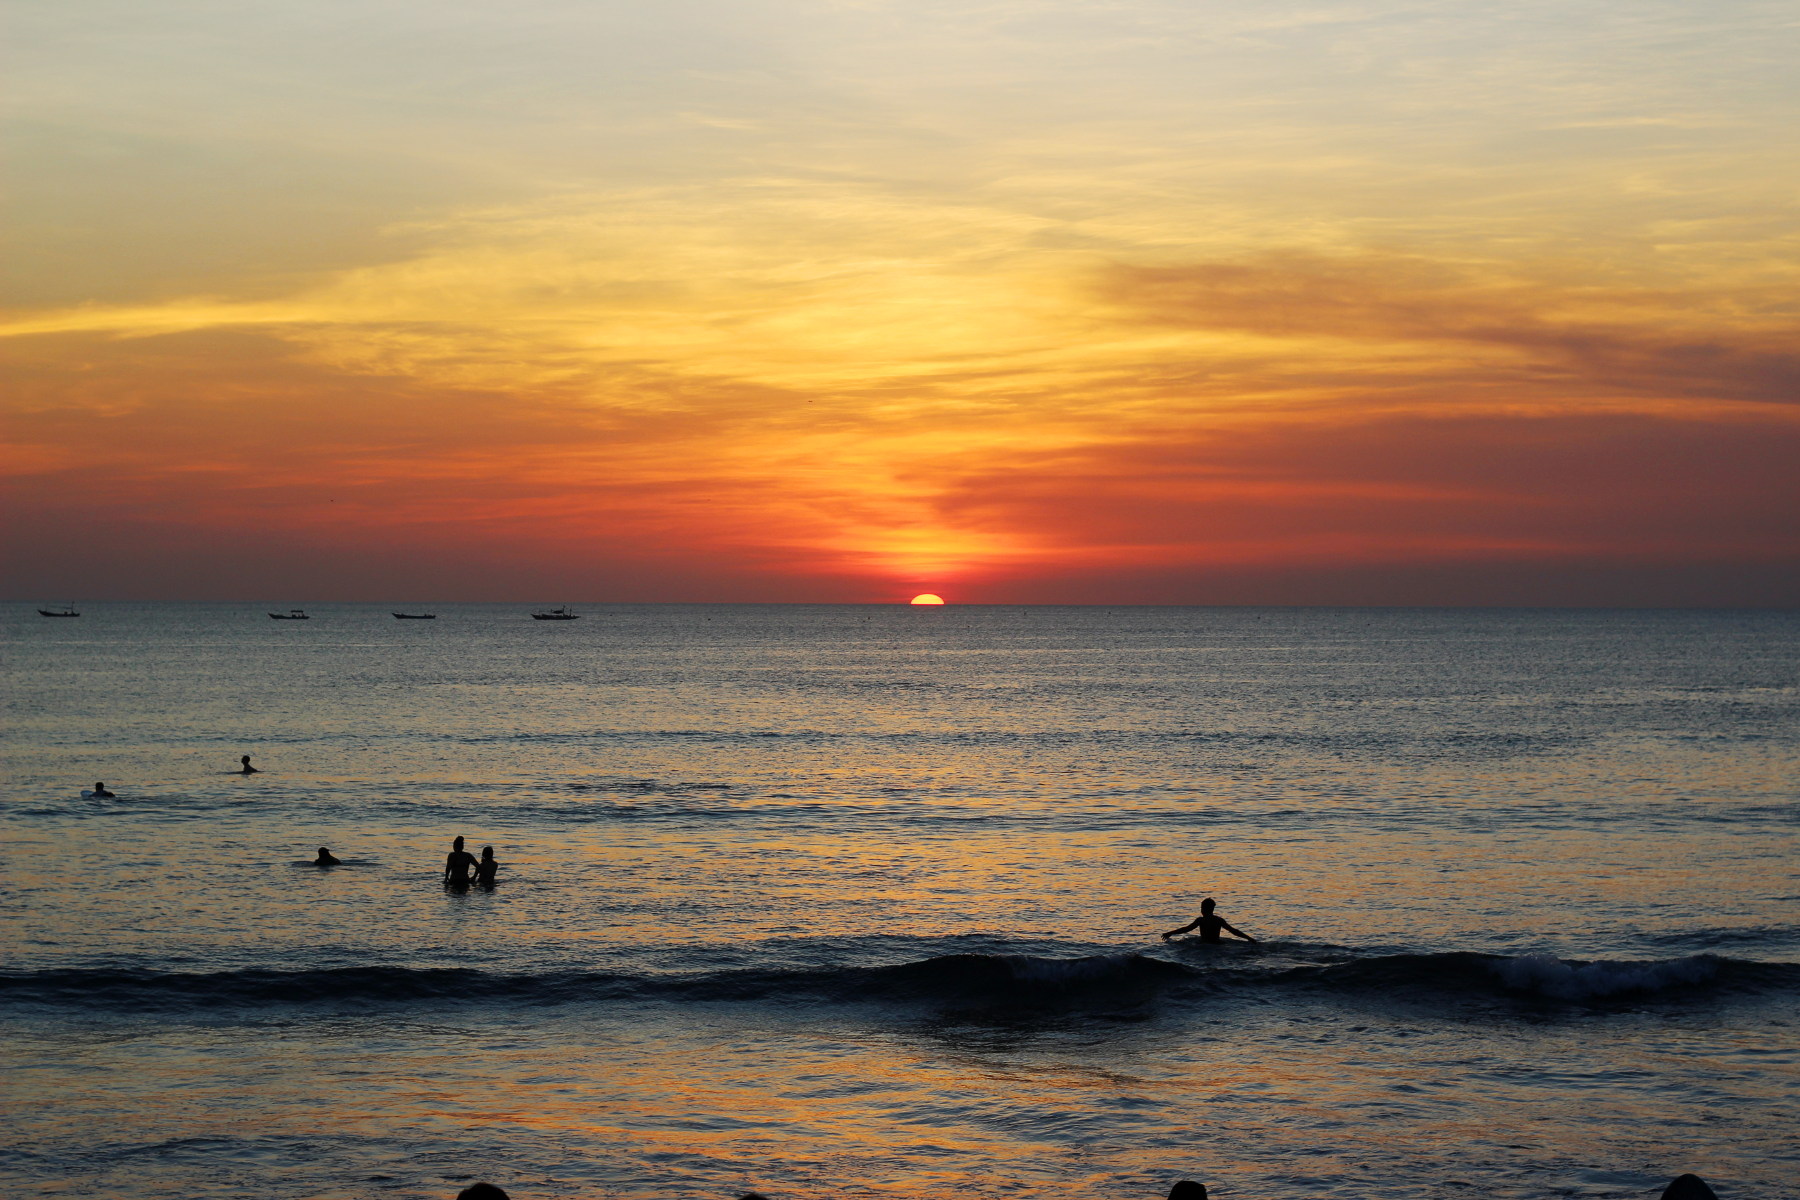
(484, 870)
(248, 769)
(100, 792)
(1208, 925)
(326, 859)
(457, 865)
(1187, 1189)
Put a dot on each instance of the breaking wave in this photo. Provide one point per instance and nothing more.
(956, 981)
(1545, 977)
(1552, 977)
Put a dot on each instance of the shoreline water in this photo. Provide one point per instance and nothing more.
(833, 902)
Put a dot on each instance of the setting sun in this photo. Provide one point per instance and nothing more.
(1211, 322)
(928, 598)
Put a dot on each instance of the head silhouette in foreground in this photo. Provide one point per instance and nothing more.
(1209, 926)
(1688, 1187)
(1682, 1187)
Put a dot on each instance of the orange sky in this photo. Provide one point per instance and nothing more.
(849, 300)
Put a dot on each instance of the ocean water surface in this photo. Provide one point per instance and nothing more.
(858, 901)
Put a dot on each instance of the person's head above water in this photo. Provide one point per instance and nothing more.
(457, 844)
(487, 852)
(324, 852)
(1206, 906)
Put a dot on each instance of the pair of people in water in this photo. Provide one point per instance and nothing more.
(460, 863)
(457, 867)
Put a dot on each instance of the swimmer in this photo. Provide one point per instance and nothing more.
(1208, 925)
(326, 858)
(100, 792)
(248, 769)
(484, 870)
(457, 864)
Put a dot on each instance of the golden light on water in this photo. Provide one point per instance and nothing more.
(927, 598)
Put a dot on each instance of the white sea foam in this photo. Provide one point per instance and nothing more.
(1070, 970)
(1551, 976)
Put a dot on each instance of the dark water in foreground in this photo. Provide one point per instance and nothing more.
(863, 902)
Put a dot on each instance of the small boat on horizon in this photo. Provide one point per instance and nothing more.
(67, 610)
(560, 613)
(292, 614)
(415, 616)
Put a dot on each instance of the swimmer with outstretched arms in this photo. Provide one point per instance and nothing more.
(1209, 926)
(326, 859)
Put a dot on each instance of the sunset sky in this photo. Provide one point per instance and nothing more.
(1098, 301)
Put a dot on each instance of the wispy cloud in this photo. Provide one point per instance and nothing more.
(869, 294)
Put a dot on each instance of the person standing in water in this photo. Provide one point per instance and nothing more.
(458, 865)
(484, 870)
(248, 769)
(1208, 925)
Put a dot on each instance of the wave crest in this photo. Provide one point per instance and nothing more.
(968, 981)
(1553, 977)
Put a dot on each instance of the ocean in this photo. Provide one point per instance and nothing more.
(865, 901)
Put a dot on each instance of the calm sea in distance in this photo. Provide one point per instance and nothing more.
(864, 901)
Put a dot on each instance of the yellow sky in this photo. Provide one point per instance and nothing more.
(1011, 301)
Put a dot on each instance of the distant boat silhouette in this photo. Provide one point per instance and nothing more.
(415, 616)
(67, 610)
(292, 614)
(561, 613)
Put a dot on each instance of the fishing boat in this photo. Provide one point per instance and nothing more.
(67, 610)
(415, 616)
(292, 614)
(560, 613)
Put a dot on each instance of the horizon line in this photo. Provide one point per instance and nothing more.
(1794, 607)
